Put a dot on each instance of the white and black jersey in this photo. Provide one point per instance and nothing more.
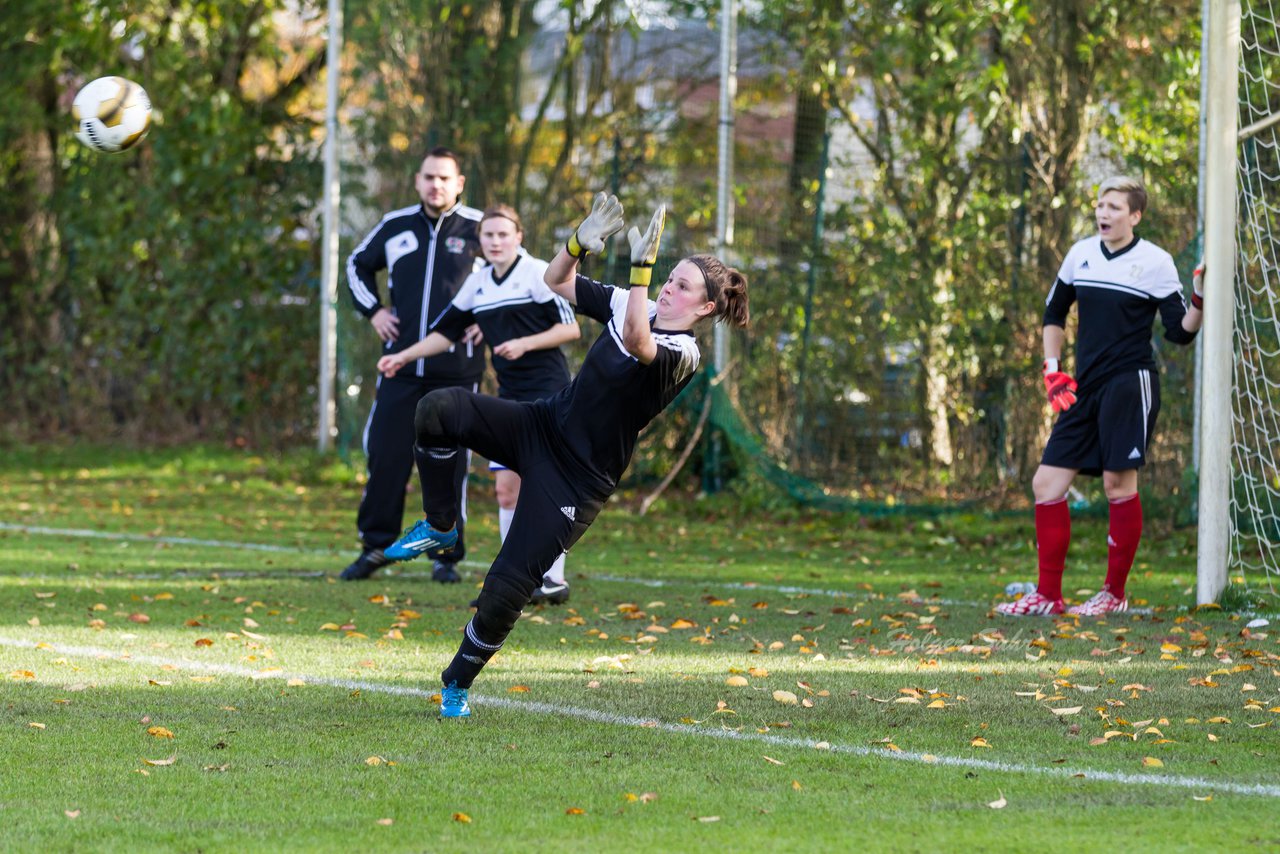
(615, 395)
(1119, 294)
(515, 305)
(426, 261)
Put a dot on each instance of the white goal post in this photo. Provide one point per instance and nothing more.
(1222, 69)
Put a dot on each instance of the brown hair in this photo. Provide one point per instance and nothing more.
(505, 212)
(442, 152)
(1131, 187)
(726, 287)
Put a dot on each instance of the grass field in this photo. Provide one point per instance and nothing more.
(795, 681)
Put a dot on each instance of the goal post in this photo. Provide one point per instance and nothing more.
(1222, 70)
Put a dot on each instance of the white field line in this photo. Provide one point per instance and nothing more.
(1175, 781)
(265, 547)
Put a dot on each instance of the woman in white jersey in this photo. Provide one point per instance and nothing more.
(572, 448)
(1108, 410)
(524, 324)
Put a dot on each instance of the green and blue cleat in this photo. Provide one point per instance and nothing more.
(418, 539)
(453, 702)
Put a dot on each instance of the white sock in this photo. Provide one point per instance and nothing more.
(554, 574)
(504, 521)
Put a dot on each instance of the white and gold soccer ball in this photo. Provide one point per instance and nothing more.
(111, 114)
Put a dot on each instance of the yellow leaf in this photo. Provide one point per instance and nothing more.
(758, 672)
(630, 798)
(937, 704)
(1070, 710)
(22, 674)
(1218, 720)
(159, 732)
(385, 822)
(35, 725)
(737, 681)
(575, 811)
(795, 784)
(172, 759)
(1212, 737)
(683, 624)
(462, 817)
(71, 813)
(330, 627)
(518, 689)
(786, 698)
(375, 761)
(979, 741)
(1151, 762)
(1205, 798)
(773, 761)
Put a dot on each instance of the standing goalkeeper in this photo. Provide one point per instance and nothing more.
(1108, 411)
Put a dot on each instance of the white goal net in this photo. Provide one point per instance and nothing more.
(1255, 492)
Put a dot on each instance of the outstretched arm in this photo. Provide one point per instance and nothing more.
(561, 333)
(433, 345)
(604, 221)
(636, 334)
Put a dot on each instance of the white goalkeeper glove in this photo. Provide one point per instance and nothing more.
(644, 248)
(1197, 286)
(604, 221)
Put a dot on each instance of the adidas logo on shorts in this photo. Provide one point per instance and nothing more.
(569, 513)
(1135, 454)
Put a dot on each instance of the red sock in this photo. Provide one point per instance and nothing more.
(1053, 536)
(1122, 541)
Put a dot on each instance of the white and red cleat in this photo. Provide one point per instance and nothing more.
(1031, 604)
(1101, 603)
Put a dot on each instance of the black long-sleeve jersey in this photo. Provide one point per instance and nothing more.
(426, 262)
(516, 305)
(1119, 294)
(614, 395)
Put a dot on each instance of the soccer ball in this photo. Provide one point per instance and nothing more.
(112, 114)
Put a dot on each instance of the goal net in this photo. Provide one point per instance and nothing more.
(1255, 493)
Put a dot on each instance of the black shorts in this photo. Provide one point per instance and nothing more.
(1108, 428)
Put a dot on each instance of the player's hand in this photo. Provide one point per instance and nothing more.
(386, 324)
(511, 349)
(472, 335)
(604, 221)
(388, 365)
(1197, 286)
(1060, 387)
(644, 248)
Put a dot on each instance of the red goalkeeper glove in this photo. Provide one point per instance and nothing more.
(1197, 285)
(1060, 387)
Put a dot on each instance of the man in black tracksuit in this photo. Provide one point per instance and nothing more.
(428, 250)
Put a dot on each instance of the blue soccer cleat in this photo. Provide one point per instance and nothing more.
(419, 539)
(453, 702)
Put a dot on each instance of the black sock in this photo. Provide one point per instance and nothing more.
(435, 472)
(472, 655)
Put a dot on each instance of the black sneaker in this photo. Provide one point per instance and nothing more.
(445, 572)
(550, 593)
(369, 562)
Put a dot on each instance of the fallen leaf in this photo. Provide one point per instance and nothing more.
(1071, 710)
(575, 811)
(979, 741)
(1151, 762)
(773, 761)
(518, 689)
(159, 732)
(385, 822)
(1000, 803)
(462, 817)
(35, 725)
(172, 759)
(71, 813)
(706, 819)
(375, 761)
(786, 698)
(737, 681)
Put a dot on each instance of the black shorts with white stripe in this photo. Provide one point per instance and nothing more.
(1109, 428)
